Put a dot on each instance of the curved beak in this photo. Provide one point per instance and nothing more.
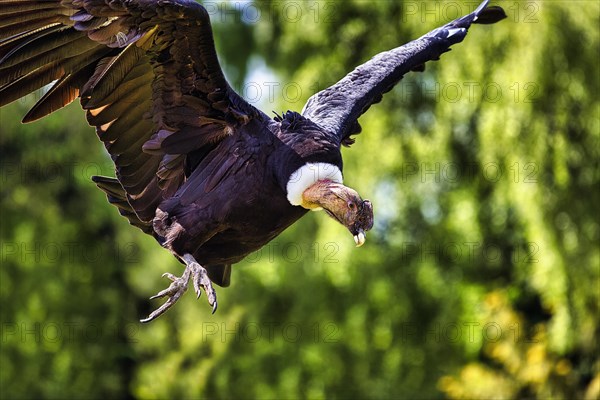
(360, 238)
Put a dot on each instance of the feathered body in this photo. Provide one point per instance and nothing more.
(248, 171)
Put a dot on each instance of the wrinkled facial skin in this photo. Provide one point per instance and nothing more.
(344, 205)
(363, 222)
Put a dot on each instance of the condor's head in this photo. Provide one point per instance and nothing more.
(325, 191)
(342, 204)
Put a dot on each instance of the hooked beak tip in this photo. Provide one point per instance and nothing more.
(360, 238)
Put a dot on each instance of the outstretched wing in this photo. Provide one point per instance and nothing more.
(146, 72)
(338, 107)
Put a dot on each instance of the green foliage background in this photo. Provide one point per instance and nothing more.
(480, 279)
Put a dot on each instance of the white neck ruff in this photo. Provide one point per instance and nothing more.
(306, 176)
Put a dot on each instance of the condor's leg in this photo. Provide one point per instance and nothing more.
(179, 286)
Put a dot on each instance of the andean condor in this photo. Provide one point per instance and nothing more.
(182, 140)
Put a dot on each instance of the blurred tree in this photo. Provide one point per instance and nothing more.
(480, 279)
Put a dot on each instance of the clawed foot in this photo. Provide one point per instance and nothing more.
(179, 286)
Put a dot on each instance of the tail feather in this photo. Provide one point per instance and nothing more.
(116, 196)
(220, 274)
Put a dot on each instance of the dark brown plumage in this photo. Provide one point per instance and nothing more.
(184, 144)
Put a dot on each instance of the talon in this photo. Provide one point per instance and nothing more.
(169, 276)
(179, 286)
(160, 294)
(175, 290)
(197, 287)
(202, 281)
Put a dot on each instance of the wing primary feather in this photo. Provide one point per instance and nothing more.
(76, 52)
(61, 94)
(18, 7)
(41, 44)
(490, 15)
(23, 18)
(18, 26)
(8, 44)
(30, 82)
(111, 74)
(42, 76)
(338, 107)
